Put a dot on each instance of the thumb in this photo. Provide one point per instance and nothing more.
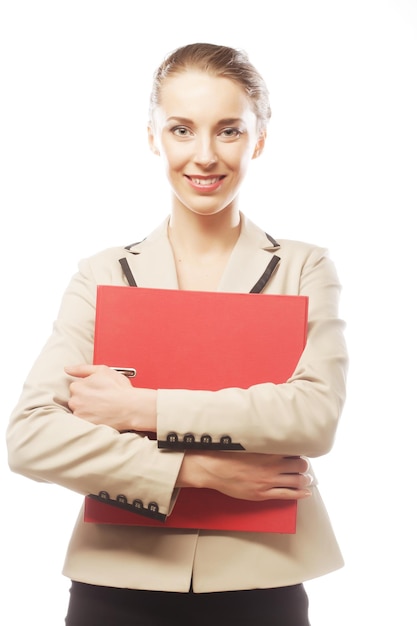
(80, 371)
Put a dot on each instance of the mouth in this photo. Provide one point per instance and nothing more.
(205, 183)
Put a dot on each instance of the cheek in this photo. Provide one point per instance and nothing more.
(173, 155)
(239, 159)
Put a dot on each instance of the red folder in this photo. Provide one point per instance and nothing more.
(178, 339)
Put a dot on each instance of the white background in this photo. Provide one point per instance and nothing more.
(339, 170)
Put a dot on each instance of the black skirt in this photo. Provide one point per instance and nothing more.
(92, 605)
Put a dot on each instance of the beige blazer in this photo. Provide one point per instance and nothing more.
(47, 443)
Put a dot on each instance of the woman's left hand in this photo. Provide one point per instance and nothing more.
(100, 395)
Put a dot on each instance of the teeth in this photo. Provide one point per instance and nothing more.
(205, 181)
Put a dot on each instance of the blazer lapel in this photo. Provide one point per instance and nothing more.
(151, 261)
(251, 263)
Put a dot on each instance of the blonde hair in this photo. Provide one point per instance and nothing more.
(218, 61)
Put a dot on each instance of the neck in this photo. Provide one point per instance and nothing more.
(204, 234)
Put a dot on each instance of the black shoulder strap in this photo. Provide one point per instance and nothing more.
(272, 240)
(270, 268)
(127, 272)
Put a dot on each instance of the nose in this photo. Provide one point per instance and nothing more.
(205, 153)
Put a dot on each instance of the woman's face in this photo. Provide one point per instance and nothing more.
(206, 132)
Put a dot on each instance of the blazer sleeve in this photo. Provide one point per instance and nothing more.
(46, 442)
(298, 417)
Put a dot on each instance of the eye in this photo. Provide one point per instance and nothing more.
(181, 131)
(230, 133)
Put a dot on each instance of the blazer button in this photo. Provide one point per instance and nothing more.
(172, 437)
(104, 495)
(226, 440)
(121, 498)
(206, 439)
(137, 504)
(189, 438)
(153, 507)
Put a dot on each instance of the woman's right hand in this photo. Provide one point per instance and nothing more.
(247, 476)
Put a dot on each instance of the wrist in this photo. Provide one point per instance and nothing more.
(192, 472)
(143, 417)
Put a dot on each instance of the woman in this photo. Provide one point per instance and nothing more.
(79, 425)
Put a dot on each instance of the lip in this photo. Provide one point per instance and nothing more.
(205, 184)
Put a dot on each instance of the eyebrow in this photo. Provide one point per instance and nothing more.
(228, 121)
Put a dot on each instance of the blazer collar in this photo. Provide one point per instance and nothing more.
(152, 263)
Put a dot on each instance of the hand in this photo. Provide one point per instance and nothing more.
(247, 476)
(100, 395)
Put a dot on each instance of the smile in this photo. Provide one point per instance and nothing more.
(206, 183)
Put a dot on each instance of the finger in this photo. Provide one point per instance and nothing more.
(295, 481)
(283, 493)
(80, 371)
(295, 465)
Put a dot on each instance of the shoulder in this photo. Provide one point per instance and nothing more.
(306, 258)
(292, 249)
(103, 262)
(104, 265)
(283, 246)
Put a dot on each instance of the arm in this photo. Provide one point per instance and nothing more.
(249, 476)
(298, 417)
(295, 418)
(46, 442)
(100, 395)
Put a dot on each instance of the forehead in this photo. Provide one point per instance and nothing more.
(194, 92)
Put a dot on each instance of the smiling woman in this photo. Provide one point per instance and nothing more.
(206, 149)
(208, 118)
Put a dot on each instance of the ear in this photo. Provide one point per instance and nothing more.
(152, 140)
(260, 144)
